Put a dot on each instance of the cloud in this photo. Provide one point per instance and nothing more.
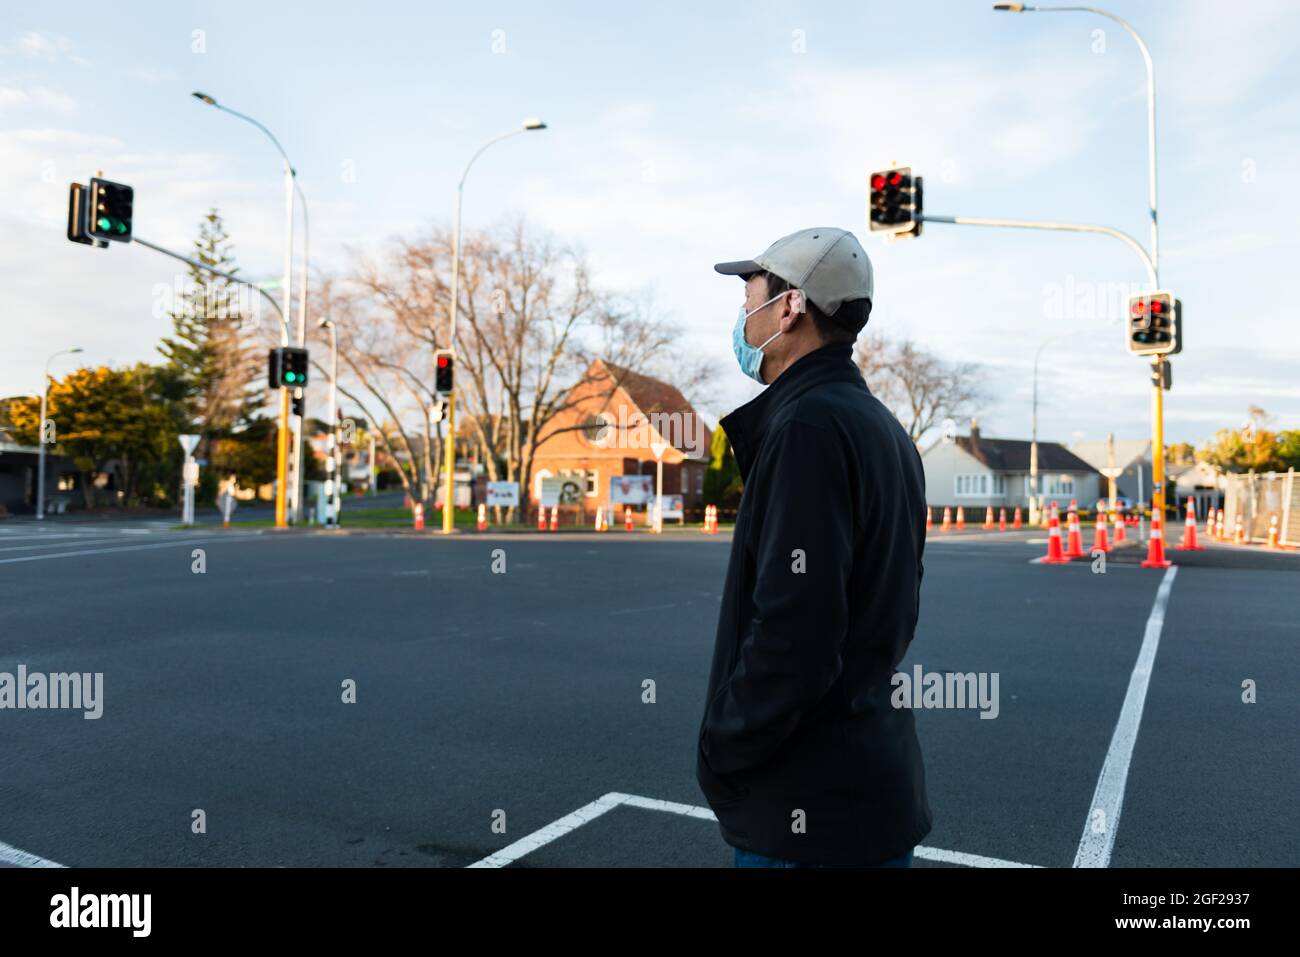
(14, 99)
(36, 45)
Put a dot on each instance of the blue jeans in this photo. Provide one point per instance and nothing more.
(750, 859)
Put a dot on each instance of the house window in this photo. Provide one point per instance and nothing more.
(999, 485)
(1058, 485)
(970, 486)
(686, 480)
(593, 483)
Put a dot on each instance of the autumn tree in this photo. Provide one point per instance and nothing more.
(102, 415)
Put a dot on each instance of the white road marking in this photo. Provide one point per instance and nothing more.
(1099, 833)
(127, 548)
(539, 838)
(28, 548)
(15, 858)
(607, 802)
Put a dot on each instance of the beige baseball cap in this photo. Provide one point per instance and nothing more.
(828, 264)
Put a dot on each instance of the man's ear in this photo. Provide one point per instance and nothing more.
(795, 307)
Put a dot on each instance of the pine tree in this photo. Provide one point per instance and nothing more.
(212, 365)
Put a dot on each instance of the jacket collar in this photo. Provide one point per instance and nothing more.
(746, 425)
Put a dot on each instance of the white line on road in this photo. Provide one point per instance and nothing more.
(1108, 800)
(570, 822)
(15, 858)
(607, 802)
(127, 548)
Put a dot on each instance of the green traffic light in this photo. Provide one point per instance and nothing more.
(103, 223)
(290, 377)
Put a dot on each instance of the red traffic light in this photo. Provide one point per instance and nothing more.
(1139, 307)
(442, 362)
(1157, 305)
(878, 181)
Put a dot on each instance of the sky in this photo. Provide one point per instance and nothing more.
(684, 134)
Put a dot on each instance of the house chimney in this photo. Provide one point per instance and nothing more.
(974, 430)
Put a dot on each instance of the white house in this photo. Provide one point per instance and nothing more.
(975, 471)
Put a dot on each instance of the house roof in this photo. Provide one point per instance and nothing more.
(650, 394)
(1128, 452)
(1012, 455)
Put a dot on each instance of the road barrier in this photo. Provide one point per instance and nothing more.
(1253, 499)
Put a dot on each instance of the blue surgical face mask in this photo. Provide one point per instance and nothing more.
(750, 357)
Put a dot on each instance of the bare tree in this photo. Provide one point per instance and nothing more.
(919, 387)
(530, 322)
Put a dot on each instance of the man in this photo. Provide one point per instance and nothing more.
(801, 755)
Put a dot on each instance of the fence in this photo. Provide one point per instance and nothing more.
(1257, 498)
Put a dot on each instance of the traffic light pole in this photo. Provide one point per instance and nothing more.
(1157, 362)
(281, 444)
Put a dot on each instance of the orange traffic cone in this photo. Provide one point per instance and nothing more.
(947, 519)
(419, 516)
(988, 518)
(1239, 536)
(600, 518)
(1188, 544)
(1274, 537)
(482, 517)
(1099, 540)
(1156, 545)
(555, 523)
(541, 518)
(929, 519)
(1054, 554)
(961, 519)
(1002, 520)
(1120, 538)
(1074, 545)
(1016, 523)
(1223, 529)
(627, 518)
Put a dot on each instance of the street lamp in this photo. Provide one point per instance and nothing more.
(1151, 104)
(449, 463)
(1157, 362)
(1036, 494)
(332, 461)
(290, 185)
(40, 468)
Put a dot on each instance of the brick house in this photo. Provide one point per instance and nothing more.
(615, 421)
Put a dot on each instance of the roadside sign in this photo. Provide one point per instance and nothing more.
(503, 494)
(188, 442)
(631, 489)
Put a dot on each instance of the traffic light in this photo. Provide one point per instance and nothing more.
(298, 405)
(293, 372)
(109, 211)
(1152, 324)
(287, 368)
(896, 202)
(77, 214)
(444, 367)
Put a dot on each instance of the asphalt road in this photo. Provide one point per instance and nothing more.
(484, 697)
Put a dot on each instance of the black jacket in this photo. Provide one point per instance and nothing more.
(820, 604)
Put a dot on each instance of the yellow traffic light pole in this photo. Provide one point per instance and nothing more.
(281, 458)
(449, 464)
